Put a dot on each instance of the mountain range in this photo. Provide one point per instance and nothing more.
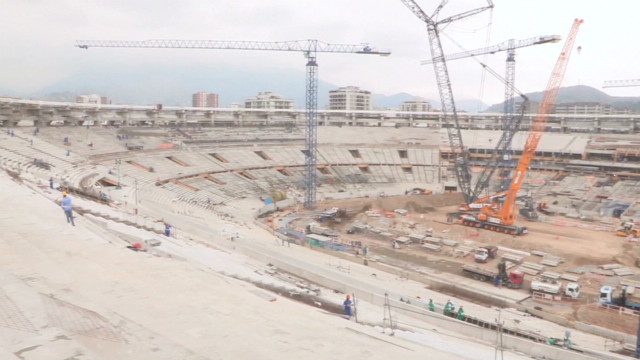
(172, 86)
(579, 93)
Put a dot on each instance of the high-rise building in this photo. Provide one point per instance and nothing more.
(349, 98)
(204, 99)
(91, 99)
(268, 100)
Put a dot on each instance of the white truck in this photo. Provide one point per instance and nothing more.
(555, 287)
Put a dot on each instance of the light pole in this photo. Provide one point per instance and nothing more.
(118, 161)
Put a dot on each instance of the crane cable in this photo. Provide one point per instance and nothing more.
(483, 74)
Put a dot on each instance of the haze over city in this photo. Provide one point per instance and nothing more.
(40, 50)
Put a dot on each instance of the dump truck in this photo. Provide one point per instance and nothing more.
(485, 253)
(513, 279)
(555, 287)
(628, 298)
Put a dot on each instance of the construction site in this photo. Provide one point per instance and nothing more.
(197, 232)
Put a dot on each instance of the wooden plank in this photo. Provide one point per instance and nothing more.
(534, 266)
(623, 271)
(610, 266)
(568, 277)
(432, 247)
(449, 242)
(512, 258)
(550, 275)
(629, 282)
(528, 271)
(538, 253)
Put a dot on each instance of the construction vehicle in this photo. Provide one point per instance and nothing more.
(498, 211)
(513, 279)
(555, 287)
(628, 298)
(485, 253)
(314, 228)
(543, 207)
(418, 191)
(529, 210)
(628, 229)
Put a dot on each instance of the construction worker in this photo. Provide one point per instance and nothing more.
(432, 306)
(347, 306)
(460, 313)
(67, 207)
(447, 308)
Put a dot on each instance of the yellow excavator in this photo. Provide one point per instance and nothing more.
(628, 229)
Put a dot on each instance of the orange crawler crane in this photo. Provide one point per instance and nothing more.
(498, 211)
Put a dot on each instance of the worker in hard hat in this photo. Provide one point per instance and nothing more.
(67, 207)
(448, 307)
(347, 306)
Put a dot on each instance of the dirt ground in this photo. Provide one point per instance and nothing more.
(577, 246)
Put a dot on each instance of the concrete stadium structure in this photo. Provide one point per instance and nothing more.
(15, 112)
(205, 171)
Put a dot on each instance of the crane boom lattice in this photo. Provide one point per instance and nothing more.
(621, 83)
(508, 212)
(450, 115)
(510, 123)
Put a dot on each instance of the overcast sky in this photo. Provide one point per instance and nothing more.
(39, 35)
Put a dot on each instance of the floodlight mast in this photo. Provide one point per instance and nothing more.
(450, 114)
(309, 48)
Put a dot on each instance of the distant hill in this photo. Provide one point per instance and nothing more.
(151, 84)
(580, 93)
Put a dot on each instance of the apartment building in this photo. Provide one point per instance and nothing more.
(349, 98)
(268, 100)
(204, 99)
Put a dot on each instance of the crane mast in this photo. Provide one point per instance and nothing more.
(506, 215)
(510, 123)
(450, 115)
(308, 47)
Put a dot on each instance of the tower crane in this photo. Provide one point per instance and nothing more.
(501, 217)
(621, 83)
(508, 125)
(450, 115)
(309, 48)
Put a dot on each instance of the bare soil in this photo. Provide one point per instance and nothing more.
(577, 246)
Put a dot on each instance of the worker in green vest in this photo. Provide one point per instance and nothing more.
(432, 307)
(460, 313)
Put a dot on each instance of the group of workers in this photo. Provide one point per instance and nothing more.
(450, 309)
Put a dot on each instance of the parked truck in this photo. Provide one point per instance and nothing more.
(628, 298)
(485, 253)
(513, 279)
(555, 287)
